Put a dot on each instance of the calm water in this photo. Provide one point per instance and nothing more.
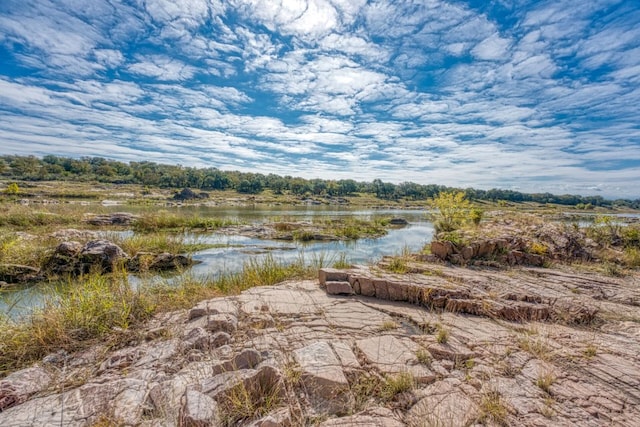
(236, 250)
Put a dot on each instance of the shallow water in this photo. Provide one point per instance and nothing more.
(232, 252)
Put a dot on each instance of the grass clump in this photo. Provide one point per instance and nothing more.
(342, 261)
(545, 381)
(396, 384)
(388, 325)
(105, 307)
(424, 357)
(493, 409)
(442, 336)
(244, 403)
(167, 221)
(156, 243)
(74, 315)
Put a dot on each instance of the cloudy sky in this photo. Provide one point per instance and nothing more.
(525, 95)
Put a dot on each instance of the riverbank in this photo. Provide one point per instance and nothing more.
(443, 346)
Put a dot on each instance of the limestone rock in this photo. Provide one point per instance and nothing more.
(16, 273)
(442, 249)
(331, 275)
(322, 376)
(116, 218)
(339, 288)
(199, 410)
(443, 405)
(17, 387)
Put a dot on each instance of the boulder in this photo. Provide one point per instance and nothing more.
(189, 194)
(332, 275)
(16, 273)
(144, 261)
(116, 218)
(442, 249)
(398, 221)
(101, 253)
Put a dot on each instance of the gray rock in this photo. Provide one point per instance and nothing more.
(339, 288)
(199, 410)
(323, 377)
(116, 218)
(222, 322)
(16, 273)
(18, 386)
(332, 275)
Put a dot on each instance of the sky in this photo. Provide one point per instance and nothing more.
(531, 96)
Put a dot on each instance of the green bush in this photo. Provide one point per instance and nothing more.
(453, 211)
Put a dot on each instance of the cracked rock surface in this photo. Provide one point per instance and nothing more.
(443, 346)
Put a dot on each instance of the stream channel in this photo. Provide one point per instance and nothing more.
(232, 251)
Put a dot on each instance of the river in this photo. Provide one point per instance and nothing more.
(232, 251)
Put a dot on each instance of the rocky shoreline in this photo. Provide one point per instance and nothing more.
(440, 345)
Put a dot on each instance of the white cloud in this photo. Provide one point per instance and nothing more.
(492, 48)
(162, 68)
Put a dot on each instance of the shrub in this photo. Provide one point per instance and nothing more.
(12, 189)
(453, 211)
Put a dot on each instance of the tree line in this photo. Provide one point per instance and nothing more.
(49, 168)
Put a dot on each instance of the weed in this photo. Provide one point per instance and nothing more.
(443, 335)
(397, 265)
(342, 261)
(492, 408)
(453, 211)
(590, 351)
(632, 257)
(424, 357)
(537, 347)
(388, 325)
(244, 403)
(73, 315)
(538, 248)
(612, 269)
(545, 381)
(396, 384)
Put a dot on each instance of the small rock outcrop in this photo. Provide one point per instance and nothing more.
(189, 194)
(117, 218)
(500, 251)
(74, 258)
(16, 273)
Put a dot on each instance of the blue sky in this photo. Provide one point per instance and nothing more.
(524, 95)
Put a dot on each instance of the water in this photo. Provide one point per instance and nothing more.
(231, 252)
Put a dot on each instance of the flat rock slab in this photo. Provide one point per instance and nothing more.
(444, 406)
(321, 370)
(391, 355)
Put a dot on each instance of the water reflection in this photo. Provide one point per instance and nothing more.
(231, 252)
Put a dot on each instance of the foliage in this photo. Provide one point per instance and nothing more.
(12, 189)
(454, 210)
(149, 174)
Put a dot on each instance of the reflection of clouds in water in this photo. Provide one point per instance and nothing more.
(235, 250)
(231, 258)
